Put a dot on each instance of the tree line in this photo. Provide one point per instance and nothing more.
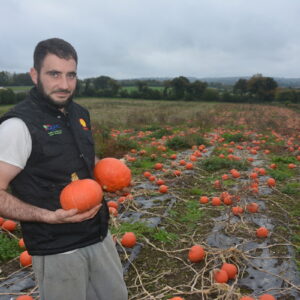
(256, 89)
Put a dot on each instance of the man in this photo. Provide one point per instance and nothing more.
(44, 141)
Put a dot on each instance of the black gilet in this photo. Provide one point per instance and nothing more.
(62, 144)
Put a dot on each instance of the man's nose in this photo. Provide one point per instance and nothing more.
(63, 83)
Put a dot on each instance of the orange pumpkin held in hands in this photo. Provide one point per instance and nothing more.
(196, 253)
(112, 174)
(128, 240)
(82, 194)
(25, 259)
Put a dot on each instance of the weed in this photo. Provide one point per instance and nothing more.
(281, 174)
(283, 159)
(196, 191)
(9, 248)
(236, 137)
(177, 143)
(217, 163)
(139, 228)
(164, 236)
(291, 188)
(192, 214)
(160, 133)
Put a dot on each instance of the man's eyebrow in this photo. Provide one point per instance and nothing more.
(53, 71)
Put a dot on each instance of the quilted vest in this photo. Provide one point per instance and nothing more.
(62, 145)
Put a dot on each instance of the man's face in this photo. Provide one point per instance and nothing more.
(57, 79)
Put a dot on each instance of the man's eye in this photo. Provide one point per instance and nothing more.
(72, 75)
(54, 74)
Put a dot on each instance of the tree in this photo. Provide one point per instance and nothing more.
(262, 87)
(240, 86)
(22, 79)
(195, 90)
(106, 86)
(4, 78)
(7, 96)
(179, 86)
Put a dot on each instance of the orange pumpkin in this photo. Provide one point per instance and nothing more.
(203, 199)
(113, 204)
(177, 172)
(262, 232)
(24, 297)
(112, 211)
(25, 259)
(112, 174)
(271, 182)
(147, 174)
(216, 201)
(128, 240)
(220, 276)
(158, 166)
(252, 207)
(189, 166)
(82, 194)
(231, 270)
(266, 297)
(21, 243)
(9, 225)
(237, 210)
(163, 189)
(176, 298)
(196, 253)
(1, 221)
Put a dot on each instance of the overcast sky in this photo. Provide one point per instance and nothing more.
(158, 38)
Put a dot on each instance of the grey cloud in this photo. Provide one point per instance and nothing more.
(132, 38)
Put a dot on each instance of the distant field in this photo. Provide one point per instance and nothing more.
(125, 113)
(134, 88)
(20, 88)
(131, 113)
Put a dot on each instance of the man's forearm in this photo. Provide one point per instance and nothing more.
(13, 208)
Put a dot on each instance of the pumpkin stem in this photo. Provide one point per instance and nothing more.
(74, 176)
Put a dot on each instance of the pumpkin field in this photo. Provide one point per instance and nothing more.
(213, 210)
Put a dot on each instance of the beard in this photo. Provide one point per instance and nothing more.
(49, 99)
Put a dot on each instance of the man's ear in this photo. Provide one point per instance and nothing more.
(34, 75)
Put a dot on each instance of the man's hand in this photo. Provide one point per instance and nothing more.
(70, 216)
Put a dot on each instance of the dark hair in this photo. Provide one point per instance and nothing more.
(55, 46)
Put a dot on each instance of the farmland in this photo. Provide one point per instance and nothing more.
(232, 150)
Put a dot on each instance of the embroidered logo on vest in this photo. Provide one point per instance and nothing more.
(83, 124)
(53, 129)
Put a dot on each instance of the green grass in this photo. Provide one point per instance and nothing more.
(216, 163)
(236, 137)
(291, 188)
(191, 215)
(20, 88)
(141, 229)
(9, 248)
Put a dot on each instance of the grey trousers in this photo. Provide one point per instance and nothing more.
(90, 273)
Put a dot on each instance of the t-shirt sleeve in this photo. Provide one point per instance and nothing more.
(15, 142)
